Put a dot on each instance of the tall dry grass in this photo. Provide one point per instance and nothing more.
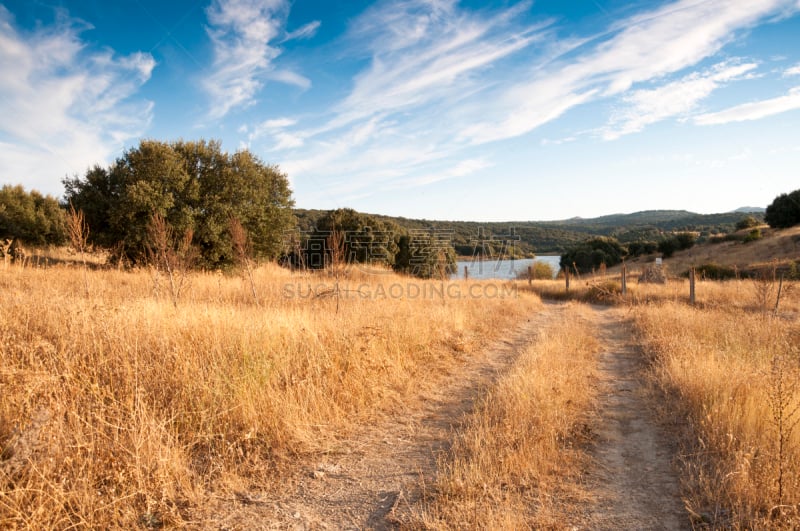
(730, 381)
(512, 465)
(120, 409)
(745, 294)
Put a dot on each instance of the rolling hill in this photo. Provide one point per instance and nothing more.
(554, 237)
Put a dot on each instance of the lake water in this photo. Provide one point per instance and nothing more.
(503, 269)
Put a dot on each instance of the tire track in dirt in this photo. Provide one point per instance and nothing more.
(374, 478)
(634, 485)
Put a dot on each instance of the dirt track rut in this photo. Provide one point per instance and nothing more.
(633, 482)
(372, 479)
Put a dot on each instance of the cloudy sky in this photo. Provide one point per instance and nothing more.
(438, 109)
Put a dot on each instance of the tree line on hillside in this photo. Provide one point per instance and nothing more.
(596, 252)
(192, 198)
(199, 193)
(607, 251)
(344, 235)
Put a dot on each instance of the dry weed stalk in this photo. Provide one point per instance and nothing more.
(243, 250)
(338, 262)
(176, 256)
(157, 416)
(78, 232)
(764, 288)
(784, 403)
(5, 247)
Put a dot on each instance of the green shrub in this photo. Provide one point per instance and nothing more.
(784, 211)
(714, 272)
(31, 217)
(593, 253)
(753, 235)
(747, 222)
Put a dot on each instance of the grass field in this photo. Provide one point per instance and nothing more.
(729, 382)
(120, 409)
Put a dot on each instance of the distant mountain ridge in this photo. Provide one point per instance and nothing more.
(552, 237)
(751, 210)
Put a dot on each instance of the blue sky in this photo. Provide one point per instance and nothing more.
(437, 109)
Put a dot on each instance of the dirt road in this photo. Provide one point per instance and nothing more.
(375, 476)
(633, 482)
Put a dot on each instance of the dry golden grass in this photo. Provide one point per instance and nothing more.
(727, 379)
(120, 410)
(776, 244)
(522, 447)
(747, 295)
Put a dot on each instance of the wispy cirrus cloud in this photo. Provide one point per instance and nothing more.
(792, 71)
(645, 47)
(442, 83)
(246, 35)
(425, 59)
(753, 110)
(64, 106)
(677, 98)
(428, 50)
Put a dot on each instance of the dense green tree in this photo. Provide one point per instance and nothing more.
(31, 217)
(591, 254)
(193, 186)
(668, 246)
(425, 254)
(784, 211)
(676, 242)
(641, 247)
(361, 238)
(686, 240)
(747, 222)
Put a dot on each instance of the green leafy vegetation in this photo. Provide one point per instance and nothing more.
(31, 217)
(784, 211)
(714, 272)
(520, 239)
(747, 223)
(194, 186)
(676, 242)
(591, 254)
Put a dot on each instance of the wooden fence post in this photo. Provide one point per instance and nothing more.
(566, 278)
(778, 298)
(530, 275)
(624, 280)
(466, 272)
(691, 286)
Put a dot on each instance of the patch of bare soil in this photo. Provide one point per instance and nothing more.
(633, 483)
(373, 478)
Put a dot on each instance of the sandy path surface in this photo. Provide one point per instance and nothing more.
(372, 479)
(633, 483)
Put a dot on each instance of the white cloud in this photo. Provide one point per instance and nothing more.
(287, 141)
(644, 47)
(677, 98)
(462, 168)
(62, 105)
(426, 60)
(275, 129)
(792, 71)
(442, 81)
(242, 32)
(304, 32)
(753, 111)
(290, 78)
